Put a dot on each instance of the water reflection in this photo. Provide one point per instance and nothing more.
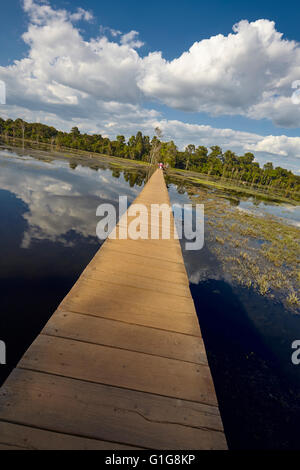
(291, 214)
(255, 205)
(61, 197)
(248, 340)
(48, 236)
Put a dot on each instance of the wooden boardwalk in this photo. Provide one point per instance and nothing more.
(121, 364)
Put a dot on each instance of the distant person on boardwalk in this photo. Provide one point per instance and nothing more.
(161, 166)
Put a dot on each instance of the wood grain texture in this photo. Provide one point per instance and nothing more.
(121, 368)
(109, 413)
(15, 436)
(122, 335)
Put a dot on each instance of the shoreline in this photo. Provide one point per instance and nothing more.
(189, 177)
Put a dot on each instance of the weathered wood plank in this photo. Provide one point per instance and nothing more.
(109, 413)
(87, 292)
(154, 264)
(8, 447)
(154, 233)
(121, 368)
(132, 313)
(134, 280)
(147, 249)
(122, 335)
(129, 264)
(15, 436)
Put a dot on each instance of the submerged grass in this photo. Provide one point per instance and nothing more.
(258, 252)
(237, 189)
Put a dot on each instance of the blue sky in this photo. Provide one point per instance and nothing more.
(188, 91)
(167, 25)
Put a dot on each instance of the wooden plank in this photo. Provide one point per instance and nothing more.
(128, 263)
(104, 256)
(122, 335)
(121, 368)
(135, 280)
(147, 249)
(108, 413)
(131, 313)
(152, 232)
(88, 292)
(15, 436)
(8, 447)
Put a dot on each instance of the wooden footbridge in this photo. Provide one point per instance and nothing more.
(121, 364)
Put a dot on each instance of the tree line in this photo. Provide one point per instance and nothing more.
(212, 161)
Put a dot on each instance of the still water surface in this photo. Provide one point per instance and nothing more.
(48, 221)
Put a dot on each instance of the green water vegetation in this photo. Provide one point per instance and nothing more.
(257, 252)
(238, 190)
(213, 166)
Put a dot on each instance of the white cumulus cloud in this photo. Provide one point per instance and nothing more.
(249, 72)
(102, 85)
